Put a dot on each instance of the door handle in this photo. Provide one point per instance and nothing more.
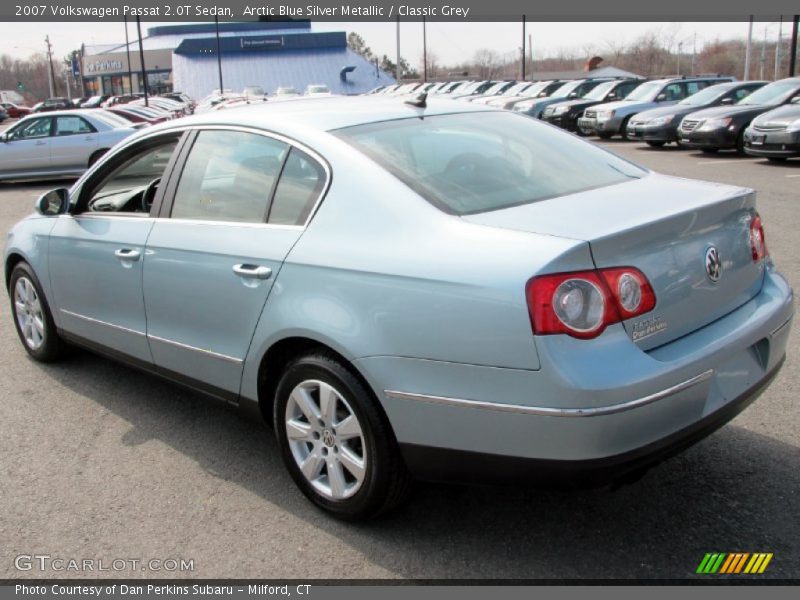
(252, 271)
(127, 254)
(41, 143)
(89, 138)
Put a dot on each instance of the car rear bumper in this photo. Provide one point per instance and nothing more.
(611, 411)
(772, 143)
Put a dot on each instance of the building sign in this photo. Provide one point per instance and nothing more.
(260, 43)
(103, 65)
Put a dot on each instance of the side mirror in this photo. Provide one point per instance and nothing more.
(726, 100)
(612, 96)
(795, 100)
(661, 97)
(572, 95)
(52, 203)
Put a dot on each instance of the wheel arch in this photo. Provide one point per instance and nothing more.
(12, 260)
(281, 353)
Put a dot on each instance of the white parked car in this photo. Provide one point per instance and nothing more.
(60, 143)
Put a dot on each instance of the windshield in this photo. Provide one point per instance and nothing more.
(517, 88)
(533, 90)
(646, 91)
(600, 91)
(566, 89)
(706, 96)
(776, 92)
(470, 163)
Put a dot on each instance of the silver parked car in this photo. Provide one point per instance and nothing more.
(60, 143)
(469, 295)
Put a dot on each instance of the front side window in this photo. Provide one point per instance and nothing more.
(229, 176)
(128, 184)
(37, 128)
(472, 163)
(72, 126)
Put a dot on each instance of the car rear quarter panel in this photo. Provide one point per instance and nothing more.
(381, 272)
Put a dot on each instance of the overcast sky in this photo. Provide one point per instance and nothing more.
(450, 42)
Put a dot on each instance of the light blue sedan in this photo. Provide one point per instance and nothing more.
(412, 289)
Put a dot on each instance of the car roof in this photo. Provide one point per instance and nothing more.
(61, 113)
(329, 113)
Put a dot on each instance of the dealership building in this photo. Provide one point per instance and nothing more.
(269, 54)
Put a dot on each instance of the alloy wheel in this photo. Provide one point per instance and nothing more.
(326, 439)
(28, 310)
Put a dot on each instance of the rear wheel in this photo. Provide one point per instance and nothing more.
(656, 144)
(32, 317)
(709, 150)
(96, 156)
(335, 441)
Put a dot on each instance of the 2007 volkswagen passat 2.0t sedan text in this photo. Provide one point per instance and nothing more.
(410, 290)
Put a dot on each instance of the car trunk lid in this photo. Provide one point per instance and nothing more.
(665, 227)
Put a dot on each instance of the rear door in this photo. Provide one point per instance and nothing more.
(73, 142)
(211, 262)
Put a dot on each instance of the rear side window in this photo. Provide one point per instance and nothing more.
(72, 126)
(478, 162)
(300, 185)
(229, 176)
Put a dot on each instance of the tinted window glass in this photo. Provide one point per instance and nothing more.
(298, 189)
(741, 93)
(36, 128)
(673, 91)
(123, 187)
(228, 176)
(693, 87)
(470, 163)
(72, 126)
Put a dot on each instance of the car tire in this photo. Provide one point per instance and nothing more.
(709, 150)
(96, 156)
(32, 317)
(740, 142)
(605, 136)
(776, 159)
(623, 129)
(656, 144)
(321, 456)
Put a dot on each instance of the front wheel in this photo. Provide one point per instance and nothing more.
(335, 441)
(32, 316)
(653, 144)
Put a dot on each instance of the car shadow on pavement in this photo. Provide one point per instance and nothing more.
(735, 491)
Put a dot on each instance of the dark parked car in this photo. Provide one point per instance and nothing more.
(659, 126)
(540, 89)
(775, 134)
(15, 111)
(53, 104)
(565, 114)
(722, 127)
(571, 89)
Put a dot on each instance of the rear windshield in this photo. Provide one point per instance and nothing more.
(477, 162)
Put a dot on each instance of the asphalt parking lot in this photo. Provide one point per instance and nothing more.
(100, 462)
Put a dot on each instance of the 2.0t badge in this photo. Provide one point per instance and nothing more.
(713, 264)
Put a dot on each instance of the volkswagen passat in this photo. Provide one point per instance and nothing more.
(440, 291)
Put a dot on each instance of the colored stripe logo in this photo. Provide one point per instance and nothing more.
(734, 563)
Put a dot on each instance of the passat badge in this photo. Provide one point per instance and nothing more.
(647, 327)
(713, 264)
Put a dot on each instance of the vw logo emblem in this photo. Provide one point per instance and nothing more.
(327, 438)
(713, 264)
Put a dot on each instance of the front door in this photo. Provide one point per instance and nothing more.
(26, 147)
(210, 266)
(97, 251)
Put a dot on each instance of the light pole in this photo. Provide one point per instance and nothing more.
(50, 73)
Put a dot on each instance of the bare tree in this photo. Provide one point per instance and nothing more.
(487, 63)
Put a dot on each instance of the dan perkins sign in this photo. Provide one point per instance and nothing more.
(103, 66)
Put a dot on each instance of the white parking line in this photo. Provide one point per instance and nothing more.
(798, 175)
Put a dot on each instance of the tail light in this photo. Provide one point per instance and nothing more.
(758, 244)
(582, 304)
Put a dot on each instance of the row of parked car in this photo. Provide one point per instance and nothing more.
(710, 113)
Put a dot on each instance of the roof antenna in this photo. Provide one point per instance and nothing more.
(419, 101)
